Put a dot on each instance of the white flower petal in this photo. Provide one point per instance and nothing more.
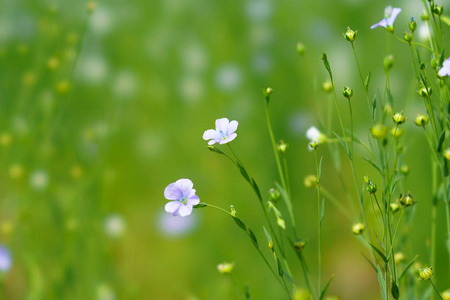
(222, 124)
(185, 210)
(211, 134)
(185, 185)
(232, 127)
(394, 14)
(173, 192)
(313, 133)
(173, 207)
(194, 200)
(228, 139)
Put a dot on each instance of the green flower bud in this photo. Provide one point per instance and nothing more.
(350, 35)
(274, 195)
(426, 273)
(388, 62)
(446, 294)
(447, 153)
(282, 147)
(399, 257)
(300, 48)
(399, 118)
(379, 131)
(425, 92)
(421, 120)
(327, 87)
(434, 63)
(438, 10)
(407, 37)
(394, 207)
(412, 25)
(281, 223)
(302, 294)
(404, 169)
(225, 268)
(314, 145)
(271, 245)
(358, 228)
(310, 181)
(299, 245)
(407, 200)
(425, 16)
(267, 91)
(371, 187)
(347, 92)
(396, 132)
(388, 109)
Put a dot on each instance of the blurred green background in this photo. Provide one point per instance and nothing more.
(102, 108)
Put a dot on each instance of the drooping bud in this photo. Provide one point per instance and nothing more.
(358, 228)
(399, 118)
(421, 120)
(426, 273)
(350, 35)
(379, 131)
(347, 92)
(281, 223)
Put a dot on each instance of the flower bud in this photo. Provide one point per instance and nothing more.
(407, 200)
(300, 48)
(434, 63)
(314, 145)
(399, 257)
(396, 132)
(281, 223)
(407, 37)
(394, 207)
(63, 87)
(274, 195)
(412, 25)
(404, 169)
(388, 109)
(282, 147)
(379, 131)
(225, 268)
(425, 92)
(358, 228)
(399, 118)
(299, 245)
(388, 62)
(327, 87)
(421, 120)
(422, 65)
(425, 16)
(426, 273)
(310, 181)
(271, 245)
(302, 294)
(347, 92)
(438, 10)
(371, 187)
(267, 91)
(350, 35)
(446, 294)
(447, 153)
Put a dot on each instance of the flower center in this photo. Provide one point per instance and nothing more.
(224, 136)
(183, 200)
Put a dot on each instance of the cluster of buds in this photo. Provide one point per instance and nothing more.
(399, 118)
(358, 228)
(371, 187)
(421, 120)
(407, 200)
(282, 147)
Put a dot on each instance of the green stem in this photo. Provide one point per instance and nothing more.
(436, 289)
(319, 227)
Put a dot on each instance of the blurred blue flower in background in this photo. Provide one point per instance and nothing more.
(388, 22)
(5, 259)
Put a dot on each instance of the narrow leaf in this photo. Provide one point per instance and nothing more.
(322, 211)
(342, 143)
(280, 268)
(327, 65)
(268, 237)
(324, 291)
(247, 292)
(383, 257)
(200, 205)
(243, 172)
(441, 141)
(373, 164)
(368, 260)
(256, 189)
(367, 81)
(240, 223)
(382, 283)
(407, 267)
(374, 107)
(253, 238)
(320, 170)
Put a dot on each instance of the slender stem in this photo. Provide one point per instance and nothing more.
(436, 289)
(319, 227)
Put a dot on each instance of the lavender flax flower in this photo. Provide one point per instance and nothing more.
(183, 197)
(5, 259)
(388, 22)
(445, 70)
(224, 132)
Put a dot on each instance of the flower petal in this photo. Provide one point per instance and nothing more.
(382, 23)
(212, 142)
(228, 139)
(394, 14)
(173, 207)
(185, 185)
(312, 134)
(222, 124)
(232, 126)
(173, 192)
(185, 210)
(444, 71)
(194, 200)
(211, 134)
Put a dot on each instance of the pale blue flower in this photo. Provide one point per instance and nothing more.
(5, 259)
(224, 132)
(388, 22)
(183, 197)
(445, 70)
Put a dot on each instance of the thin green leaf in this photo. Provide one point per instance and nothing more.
(320, 170)
(216, 150)
(374, 107)
(342, 143)
(389, 97)
(382, 283)
(252, 237)
(200, 205)
(394, 290)
(243, 172)
(368, 260)
(383, 257)
(280, 268)
(324, 291)
(327, 65)
(240, 223)
(373, 164)
(247, 292)
(268, 237)
(256, 189)
(407, 267)
(367, 81)
(322, 211)
(441, 141)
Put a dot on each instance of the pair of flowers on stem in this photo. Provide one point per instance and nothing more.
(181, 192)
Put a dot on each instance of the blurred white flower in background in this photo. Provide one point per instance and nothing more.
(125, 84)
(114, 226)
(228, 77)
(104, 292)
(191, 89)
(39, 180)
(194, 57)
(102, 20)
(259, 10)
(93, 69)
(422, 32)
(175, 226)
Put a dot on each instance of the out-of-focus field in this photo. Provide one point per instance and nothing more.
(102, 107)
